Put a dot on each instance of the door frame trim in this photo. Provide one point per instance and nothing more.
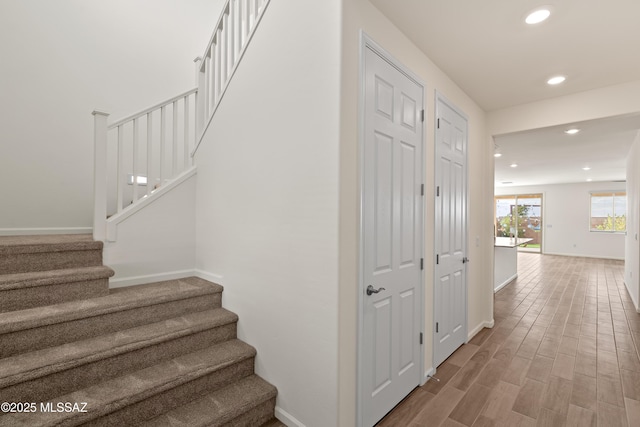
(439, 97)
(366, 42)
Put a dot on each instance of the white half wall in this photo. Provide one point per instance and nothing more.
(632, 245)
(565, 218)
(267, 204)
(157, 242)
(61, 60)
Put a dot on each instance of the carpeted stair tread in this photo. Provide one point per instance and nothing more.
(44, 362)
(220, 407)
(54, 277)
(47, 243)
(115, 394)
(120, 301)
(23, 254)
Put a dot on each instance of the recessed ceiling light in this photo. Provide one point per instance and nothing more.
(537, 16)
(586, 168)
(556, 80)
(514, 165)
(572, 131)
(497, 155)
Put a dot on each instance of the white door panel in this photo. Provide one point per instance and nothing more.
(392, 237)
(450, 291)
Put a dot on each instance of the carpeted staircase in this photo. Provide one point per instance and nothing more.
(72, 352)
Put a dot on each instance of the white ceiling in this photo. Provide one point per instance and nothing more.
(550, 156)
(499, 61)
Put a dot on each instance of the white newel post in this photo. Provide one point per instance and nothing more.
(100, 175)
(200, 97)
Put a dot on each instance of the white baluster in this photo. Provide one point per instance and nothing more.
(238, 33)
(231, 33)
(135, 160)
(150, 174)
(245, 21)
(199, 116)
(211, 94)
(121, 173)
(223, 52)
(186, 132)
(217, 70)
(207, 90)
(174, 141)
(163, 116)
(253, 12)
(100, 175)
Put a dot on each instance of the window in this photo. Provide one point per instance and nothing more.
(520, 216)
(608, 212)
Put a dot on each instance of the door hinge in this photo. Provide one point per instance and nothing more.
(438, 123)
(437, 327)
(420, 338)
(421, 263)
(437, 259)
(438, 191)
(422, 115)
(422, 189)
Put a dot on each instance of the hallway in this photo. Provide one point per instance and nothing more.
(563, 352)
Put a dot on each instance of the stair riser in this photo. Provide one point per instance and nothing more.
(254, 417)
(166, 400)
(62, 333)
(43, 261)
(47, 387)
(37, 296)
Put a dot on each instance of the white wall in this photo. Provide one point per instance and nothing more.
(61, 60)
(361, 14)
(632, 247)
(565, 217)
(267, 204)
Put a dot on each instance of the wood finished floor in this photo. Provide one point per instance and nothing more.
(563, 352)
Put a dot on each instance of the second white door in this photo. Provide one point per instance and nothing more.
(450, 287)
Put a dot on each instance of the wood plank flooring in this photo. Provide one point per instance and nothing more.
(563, 352)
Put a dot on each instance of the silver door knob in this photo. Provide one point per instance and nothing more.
(371, 290)
(465, 260)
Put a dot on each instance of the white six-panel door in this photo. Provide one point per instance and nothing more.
(392, 215)
(450, 287)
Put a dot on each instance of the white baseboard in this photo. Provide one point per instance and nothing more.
(486, 324)
(149, 278)
(288, 419)
(586, 256)
(505, 283)
(427, 375)
(45, 230)
(212, 277)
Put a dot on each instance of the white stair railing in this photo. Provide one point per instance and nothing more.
(226, 47)
(139, 154)
(136, 155)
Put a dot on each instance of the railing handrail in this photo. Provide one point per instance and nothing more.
(151, 109)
